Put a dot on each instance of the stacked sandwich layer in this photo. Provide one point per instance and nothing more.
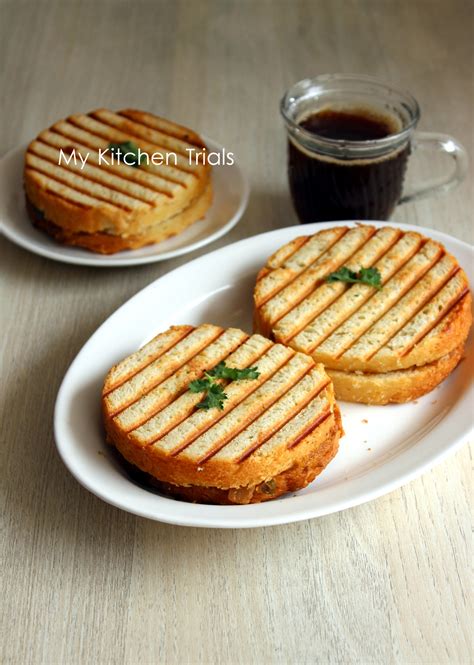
(107, 207)
(274, 434)
(379, 345)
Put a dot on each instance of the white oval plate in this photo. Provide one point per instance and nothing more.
(384, 446)
(231, 193)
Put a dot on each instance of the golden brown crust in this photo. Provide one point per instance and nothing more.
(106, 243)
(302, 472)
(68, 215)
(260, 324)
(394, 387)
(216, 473)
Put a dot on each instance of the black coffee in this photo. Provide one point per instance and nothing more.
(326, 188)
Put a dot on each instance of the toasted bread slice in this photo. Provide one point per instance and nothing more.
(274, 433)
(403, 385)
(106, 243)
(421, 313)
(114, 198)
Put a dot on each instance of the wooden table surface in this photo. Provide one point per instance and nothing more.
(83, 582)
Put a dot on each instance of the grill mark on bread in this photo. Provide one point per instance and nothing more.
(422, 293)
(61, 129)
(217, 433)
(195, 399)
(246, 355)
(287, 418)
(286, 252)
(385, 304)
(117, 400)
(306, 421)
(333, 292)
(207, 420)
(180, 437)
(358, 289)
(356, 292)
(418, 339)
(121, 136)
(153, 384)
(429, 318)
(85, 174)
(141, 118)
(52, 192)
(230, 438)
(102, 127)
(333, 235)
(107, 179)
(312, 276)
(76, 182)
(356, 296)
(69, 130)
(175, 334)
(296, 319)
(324, 416)
(149, 404)
(312, 250)
(66, 193)
(123, 124)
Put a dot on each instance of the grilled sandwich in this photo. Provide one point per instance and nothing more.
(379, 345)
(78, 193)
(274, 433)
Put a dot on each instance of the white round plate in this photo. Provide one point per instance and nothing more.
(231, 193)
(384, 446)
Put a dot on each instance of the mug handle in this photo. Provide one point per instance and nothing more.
(432, 141)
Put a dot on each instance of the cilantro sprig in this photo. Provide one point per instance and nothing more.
(369, 276)
(214, 394)
(131, 150)
(221, 371)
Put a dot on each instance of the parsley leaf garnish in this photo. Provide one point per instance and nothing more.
(130, 149)
(215, 397)
(369, 276)
(221, 371)
(342, 275)
(200, 385)
(214, 393)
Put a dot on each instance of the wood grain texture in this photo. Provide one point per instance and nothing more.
(386, 582)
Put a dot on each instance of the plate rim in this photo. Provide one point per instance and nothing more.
(221, 517)
(94, 260)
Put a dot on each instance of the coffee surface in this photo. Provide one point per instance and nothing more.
(349, 125)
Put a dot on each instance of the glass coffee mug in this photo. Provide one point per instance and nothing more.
(349, 139)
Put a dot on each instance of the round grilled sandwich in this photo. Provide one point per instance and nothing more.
(386, 311)
(111, 181)
(214, 415)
